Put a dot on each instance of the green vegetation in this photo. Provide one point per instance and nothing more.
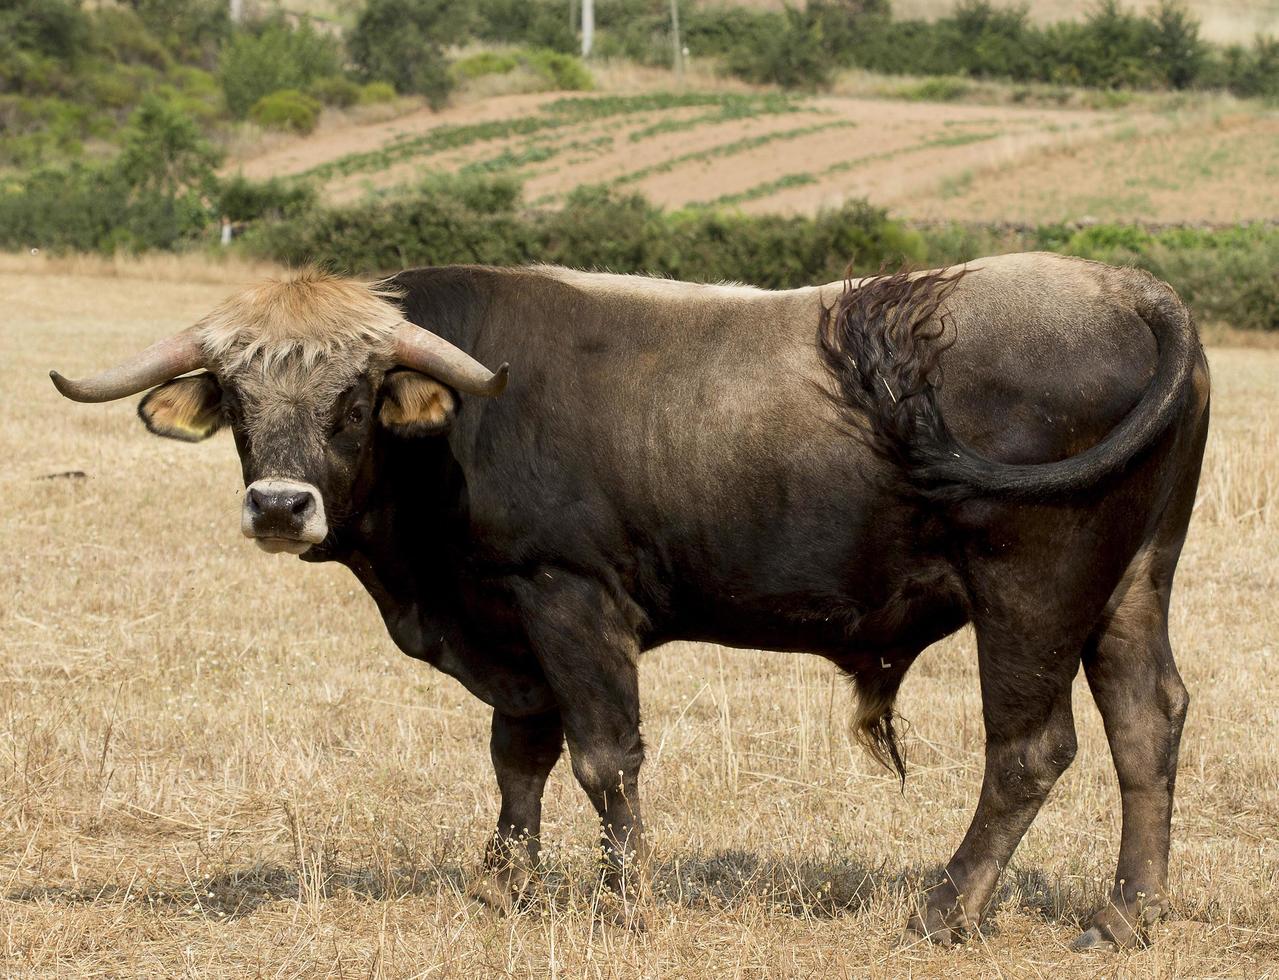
(286, 109)
(462, 219)
(1111, 48)
(401, 42)
(558, 114)
(154, 195)
(555, 69)
(275, 58)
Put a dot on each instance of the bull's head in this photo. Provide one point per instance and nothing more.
(304, 370)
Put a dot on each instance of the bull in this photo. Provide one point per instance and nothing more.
(782, 470)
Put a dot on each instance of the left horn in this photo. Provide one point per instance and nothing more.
(162, 361)
(423, 351)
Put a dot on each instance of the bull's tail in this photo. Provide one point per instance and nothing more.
(883, 341)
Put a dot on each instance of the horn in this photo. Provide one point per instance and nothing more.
(423, 351)
(160, 362)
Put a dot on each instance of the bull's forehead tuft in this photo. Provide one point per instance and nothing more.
(299, 320)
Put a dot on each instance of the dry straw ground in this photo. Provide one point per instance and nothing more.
(213, 762)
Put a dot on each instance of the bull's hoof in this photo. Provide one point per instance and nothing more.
(1093, 940)
(942, 928)
(1113, 930)
(505, 891)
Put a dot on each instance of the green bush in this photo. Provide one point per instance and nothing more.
(791, 55)
(559, 71)
(401, 42)
(241, 199)
(484, 63)
(562, 71)
(533, 22)
(287, 109)
(337, 91)
(55, 28)
(274, 57)
(940, 89)
(122, 36)
(374, 93)
(1250, 73)
(190, 29)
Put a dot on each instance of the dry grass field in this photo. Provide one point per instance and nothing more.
(214, 763)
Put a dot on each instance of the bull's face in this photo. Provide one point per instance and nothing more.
(308, 373)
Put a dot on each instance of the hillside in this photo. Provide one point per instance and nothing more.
(766, 153)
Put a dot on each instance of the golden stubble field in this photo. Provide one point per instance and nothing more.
(214, 763)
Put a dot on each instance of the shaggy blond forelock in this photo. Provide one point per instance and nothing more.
(291, 345)
(300, 319)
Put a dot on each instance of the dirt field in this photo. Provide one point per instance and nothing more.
(214, 763)
(1207, 162)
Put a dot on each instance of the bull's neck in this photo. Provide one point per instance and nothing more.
(405, 541)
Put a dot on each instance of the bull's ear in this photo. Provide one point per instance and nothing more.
(415, 405)
(185, 408)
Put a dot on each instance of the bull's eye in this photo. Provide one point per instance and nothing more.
(355, 416)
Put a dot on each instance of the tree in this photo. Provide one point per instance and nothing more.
(402, 42)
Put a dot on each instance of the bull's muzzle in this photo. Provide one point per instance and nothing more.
(283, 515)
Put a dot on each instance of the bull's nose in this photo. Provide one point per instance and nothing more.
(278, 511)
(286, 506)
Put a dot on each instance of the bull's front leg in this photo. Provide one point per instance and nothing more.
(524, 751)
(587, 648)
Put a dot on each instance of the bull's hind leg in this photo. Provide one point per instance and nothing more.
(1143, 704)
(1030, 741)
(524, 751)
(1134, 680)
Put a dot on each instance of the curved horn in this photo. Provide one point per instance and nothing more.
(160, 362)
(423, 351)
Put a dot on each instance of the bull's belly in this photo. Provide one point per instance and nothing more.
(916, 611)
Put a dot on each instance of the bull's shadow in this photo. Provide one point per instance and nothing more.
(721, 880)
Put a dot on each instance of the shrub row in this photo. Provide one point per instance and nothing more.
(478, 219)
(1111, 48)
(1227, 276)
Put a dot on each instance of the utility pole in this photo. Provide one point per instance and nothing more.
(588, 27)
(675, 40)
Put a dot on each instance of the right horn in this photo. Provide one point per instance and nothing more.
(423, 351)
(161, 362)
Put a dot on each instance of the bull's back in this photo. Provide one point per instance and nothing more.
(693, 429)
